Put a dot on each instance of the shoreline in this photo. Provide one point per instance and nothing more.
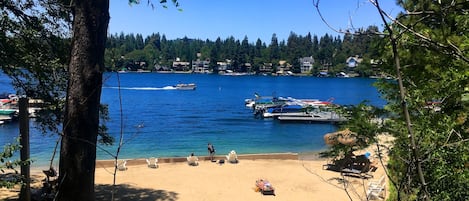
(295, 176)
(310, 155)
(142, 161)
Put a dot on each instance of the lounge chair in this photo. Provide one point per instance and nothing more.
(361, 170)
(121, 165)
(232, 157)
(376, 192)
(193, 160)
(351, 165)
(152, 162)
(377, 183)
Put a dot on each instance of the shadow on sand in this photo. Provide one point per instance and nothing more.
(127, 192)
(104, 193)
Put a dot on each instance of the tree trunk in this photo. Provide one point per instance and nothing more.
(81, 121)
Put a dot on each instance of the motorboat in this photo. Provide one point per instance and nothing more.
(292, 109)
(190, 86)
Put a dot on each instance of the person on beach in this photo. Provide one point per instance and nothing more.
(192, 160)
(211, 151)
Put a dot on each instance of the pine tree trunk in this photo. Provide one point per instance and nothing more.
(81, 121)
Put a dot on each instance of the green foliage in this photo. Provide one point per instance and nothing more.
(434, 67)
(123, 50)
(35, 56)
(364, 121)
(34, 53)
(103, 135)
(9, 174)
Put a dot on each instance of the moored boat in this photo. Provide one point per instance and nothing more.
(292, 109)
(5, 111)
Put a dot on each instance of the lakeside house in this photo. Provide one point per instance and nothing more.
(306, 64)
(266, 68)
(199, 66)
(353, 62)
(224, 66)
(181, 66)
(284, 68)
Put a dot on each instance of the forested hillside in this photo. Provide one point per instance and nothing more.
(133, 51)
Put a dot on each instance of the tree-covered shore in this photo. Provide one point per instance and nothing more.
(330, 53)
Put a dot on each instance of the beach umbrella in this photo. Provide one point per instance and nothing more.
(346, 137)
(330, 139)
(347, 140)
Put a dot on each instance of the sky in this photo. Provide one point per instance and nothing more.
(254, 19)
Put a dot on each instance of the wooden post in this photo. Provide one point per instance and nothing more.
(25, 194)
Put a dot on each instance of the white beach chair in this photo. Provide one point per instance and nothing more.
(232, 157)
(377, 183)
(376, 192)
(121, 165)
(193, 160)
(152, 162)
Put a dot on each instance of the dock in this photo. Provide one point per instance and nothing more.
(311, 119)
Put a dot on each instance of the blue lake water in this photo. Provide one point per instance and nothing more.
(162, 122)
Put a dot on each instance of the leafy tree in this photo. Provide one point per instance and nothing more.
(6, 164)
(35, 42)
(427, 53)
(274, 48)
(363, 126)
(81, 121)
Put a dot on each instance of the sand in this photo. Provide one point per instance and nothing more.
(294, 177)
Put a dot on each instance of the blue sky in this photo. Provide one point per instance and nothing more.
(209, 19)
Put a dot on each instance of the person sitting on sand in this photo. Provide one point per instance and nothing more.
(192, 160)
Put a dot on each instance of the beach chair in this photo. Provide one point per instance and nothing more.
(359, 166)
(376, 192)
(193, 160)
(377, 183)
(121, 165)
(152, 162)
(357, 171)
(232, 157)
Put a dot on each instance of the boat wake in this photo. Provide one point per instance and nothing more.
(144, 88)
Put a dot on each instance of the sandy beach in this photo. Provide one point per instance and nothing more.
(294, 177)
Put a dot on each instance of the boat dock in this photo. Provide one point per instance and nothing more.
(291, 109)
(310, 119)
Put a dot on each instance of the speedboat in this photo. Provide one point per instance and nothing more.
(190, 86)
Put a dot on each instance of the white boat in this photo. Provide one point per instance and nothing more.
(190, 86)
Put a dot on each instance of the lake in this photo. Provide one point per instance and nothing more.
(162, 122)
